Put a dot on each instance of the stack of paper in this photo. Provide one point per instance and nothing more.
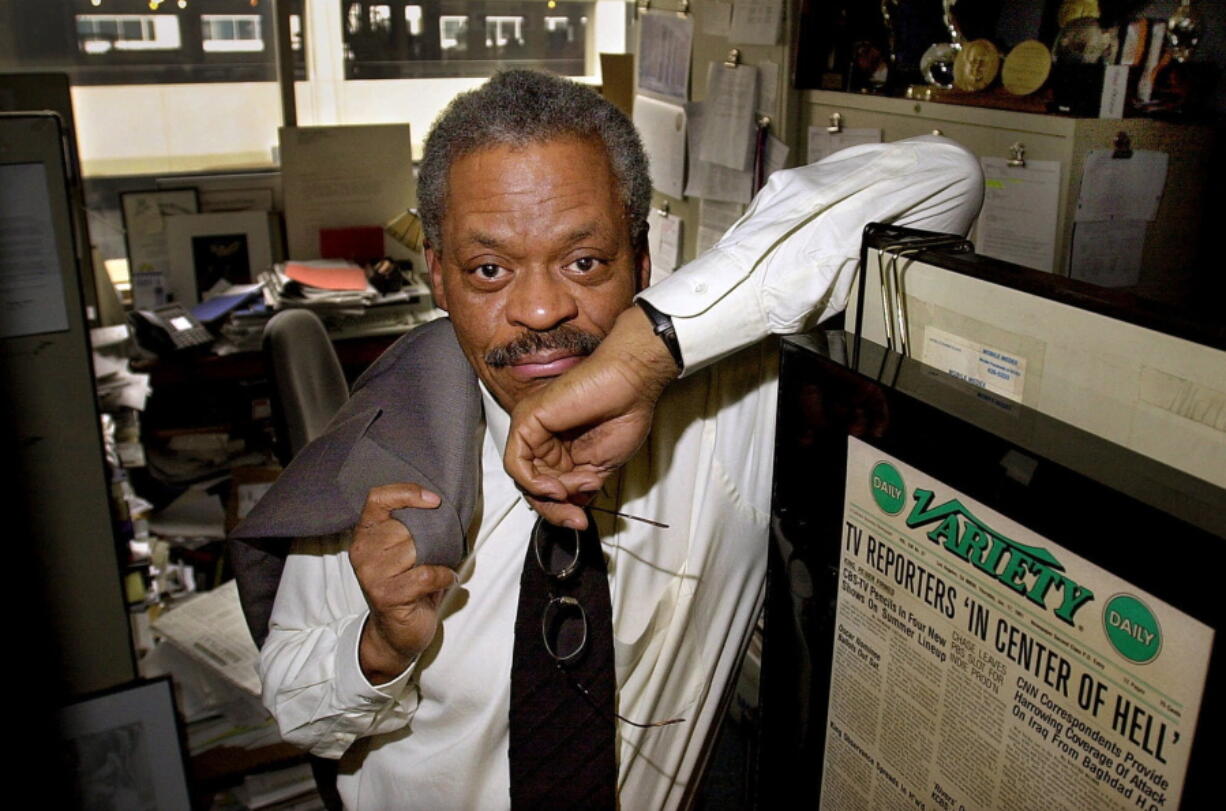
(211, 630)
(322, 283)
(345, 301)
(217, 712)
(117, 386)
(224, 299)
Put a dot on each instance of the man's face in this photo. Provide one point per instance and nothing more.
(536, 261)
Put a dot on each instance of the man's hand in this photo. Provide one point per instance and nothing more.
(567, 438)
(403, 597)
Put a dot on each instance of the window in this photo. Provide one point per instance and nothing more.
(140, 42)
(404, 39)
(503, 31)
(453, 32)
(231, 32)
(380, 18)
(183, 87)
(412, 20)
(99, 33)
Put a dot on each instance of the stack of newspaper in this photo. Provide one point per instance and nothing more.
(117, 385)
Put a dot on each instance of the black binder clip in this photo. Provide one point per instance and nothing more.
(1122, 145)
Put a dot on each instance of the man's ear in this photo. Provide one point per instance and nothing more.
(435, 266)
(642, 269)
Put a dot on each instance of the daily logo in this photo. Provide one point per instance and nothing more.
(1132, 628)
(1028, 570)
(888, 489)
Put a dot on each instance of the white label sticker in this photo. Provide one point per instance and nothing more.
(988, 368)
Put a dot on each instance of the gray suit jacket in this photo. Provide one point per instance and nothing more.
(414, 416)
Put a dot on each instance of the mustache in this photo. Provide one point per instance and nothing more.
(563, 337)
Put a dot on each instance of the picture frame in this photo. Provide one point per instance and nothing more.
(123, 748)
(233, 246)
(210, 185)
(145, 214)
(248, 199)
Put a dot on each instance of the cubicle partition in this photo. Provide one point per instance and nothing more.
(974, 601)
(60, 518)
(1101, 360)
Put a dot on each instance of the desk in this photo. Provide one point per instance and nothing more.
(355, 355)
(227, 397)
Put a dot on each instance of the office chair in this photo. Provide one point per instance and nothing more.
(308, 388)
(308, 385)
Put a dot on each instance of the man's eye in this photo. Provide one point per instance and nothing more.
(585, 264)
(488, 271)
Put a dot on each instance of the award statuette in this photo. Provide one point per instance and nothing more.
(1183, 31)
(1076, 10)
(1026, 68)
(976, 66)
(937, 65)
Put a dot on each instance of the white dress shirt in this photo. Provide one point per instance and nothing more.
(684, 598)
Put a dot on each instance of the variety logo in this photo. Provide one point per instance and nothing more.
(1028, 570)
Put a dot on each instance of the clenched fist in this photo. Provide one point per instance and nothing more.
(403, 597)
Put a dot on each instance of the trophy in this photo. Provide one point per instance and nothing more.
(911, 26)
(1183, 31)
(937, 63)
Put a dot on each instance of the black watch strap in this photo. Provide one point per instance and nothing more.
(662, 325)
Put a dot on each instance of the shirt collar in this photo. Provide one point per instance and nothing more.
(497, 420)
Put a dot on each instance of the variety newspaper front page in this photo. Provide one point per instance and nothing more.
(978, 665)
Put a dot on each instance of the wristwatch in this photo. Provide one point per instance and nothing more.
(662, 325)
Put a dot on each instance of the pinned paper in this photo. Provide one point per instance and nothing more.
(756, 22)
(768, 88)
(711, 181)
(728, 132)
(664, 241)
(1121, 188)
(776, 156)
(823, 144)
(336, 176)
(716, 18)
(1108, 253)
(708, 180)
(1020, 206)
(662, 127)
(665, 42)
(714, 219)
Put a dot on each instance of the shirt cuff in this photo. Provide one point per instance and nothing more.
(352, 682)
(714, 313)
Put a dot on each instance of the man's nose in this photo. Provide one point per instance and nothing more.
(540, 300)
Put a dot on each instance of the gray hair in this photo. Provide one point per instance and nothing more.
(519, 107)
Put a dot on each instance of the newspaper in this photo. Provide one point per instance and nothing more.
(210, 628)
(979, 665)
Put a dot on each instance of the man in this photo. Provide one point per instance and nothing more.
(534, 196)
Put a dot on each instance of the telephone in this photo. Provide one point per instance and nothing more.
(169, 328)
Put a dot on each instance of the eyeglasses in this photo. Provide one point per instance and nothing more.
(558, 552)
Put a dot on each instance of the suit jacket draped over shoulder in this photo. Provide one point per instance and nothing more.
(414, 416)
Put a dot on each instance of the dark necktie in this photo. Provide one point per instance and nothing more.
(562, 730)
